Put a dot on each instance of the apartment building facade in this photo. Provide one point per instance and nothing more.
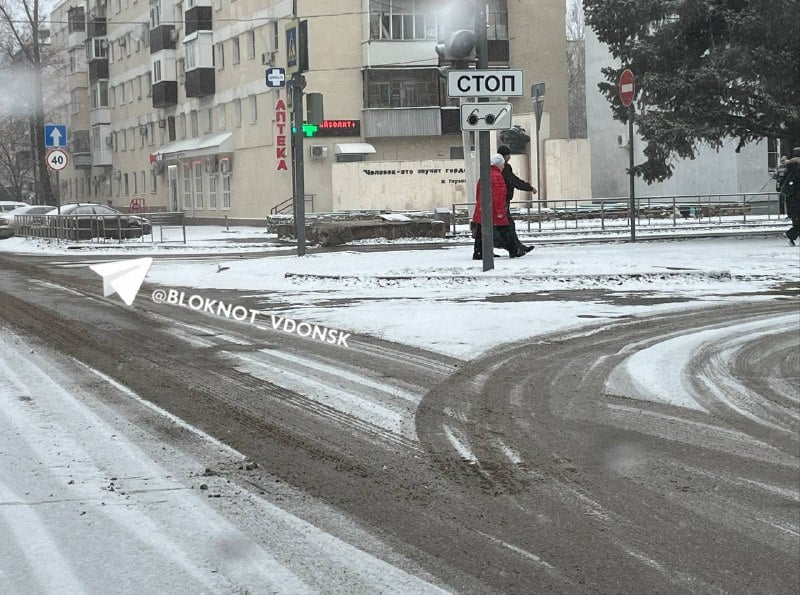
(170, 99)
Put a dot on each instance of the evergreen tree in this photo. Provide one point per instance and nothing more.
(706, 71)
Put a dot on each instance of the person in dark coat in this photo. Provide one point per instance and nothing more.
(779, 175)
(513, 183)
(499, 216)
(791, 191)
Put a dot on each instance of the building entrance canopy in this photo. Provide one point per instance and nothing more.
(213, 144)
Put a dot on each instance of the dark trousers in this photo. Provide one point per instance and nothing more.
(794, 231)
(502, 239)
(519, 247)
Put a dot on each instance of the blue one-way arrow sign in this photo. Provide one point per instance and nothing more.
(55, 135)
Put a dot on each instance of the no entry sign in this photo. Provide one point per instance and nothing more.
(626, 87)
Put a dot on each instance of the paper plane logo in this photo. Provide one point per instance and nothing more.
(123, 277)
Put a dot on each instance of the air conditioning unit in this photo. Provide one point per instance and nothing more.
(173, 35)
(122, 42)
(109, 140)
(212, 165)
(267, 58)
(159, 167)
(162, 123)
(318, 151)
(225, 166)
(143, 129)
(117, 174)
(622, 141)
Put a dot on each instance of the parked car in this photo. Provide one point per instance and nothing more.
(84, 221)
(8, 223)
(10, 205)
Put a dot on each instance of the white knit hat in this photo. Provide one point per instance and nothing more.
(497, 160)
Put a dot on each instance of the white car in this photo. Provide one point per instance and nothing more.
(7, 223)
(10, 205)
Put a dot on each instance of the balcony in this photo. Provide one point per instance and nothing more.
(164, 37)
(96, 27)
(200, 82)
(165, 94)
(98, 70)
(198, 18)
(411, 121)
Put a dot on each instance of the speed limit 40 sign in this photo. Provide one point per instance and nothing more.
(57, 159)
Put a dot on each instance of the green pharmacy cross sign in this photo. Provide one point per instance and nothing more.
(341, 128)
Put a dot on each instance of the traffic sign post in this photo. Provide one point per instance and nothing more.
(485, 83)
(486, 116)
(627, 91)
(276, 78)
(57, 159)
(55, 135)
(537, 92)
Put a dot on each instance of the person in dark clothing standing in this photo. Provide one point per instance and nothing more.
(513, 183)
(779, 175)
(791, 191)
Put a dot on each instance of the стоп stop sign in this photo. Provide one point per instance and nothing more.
(626, 87)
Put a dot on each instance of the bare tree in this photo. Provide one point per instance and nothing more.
(22, 27)
(576, 64)
(16, 163)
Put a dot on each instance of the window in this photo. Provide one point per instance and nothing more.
(155, 13)
(157, 71)
(235, 50)
(210, 120)
(226, 190)
(237, 112)
(195, 127)
(402, 88)
(76, 20)
(96, 137)
(138, 87)
(212, 191)
(198, 184)
(187, 186)
(124, 140)
(182, 126)
(272, 32)
(403, 19)
(253, 99)
(180, 68)
(190, 54)
(151, 133)
(179, 15)
(153, 182)
(99, 94)
(171, 127)
(127, 186)
(497, 20)
(222, 116)
(129, 84)
(775, 149)
(148, 83)
(135, 185)
(250, 38)
(73, 102)
(142, 182)
(219, 56)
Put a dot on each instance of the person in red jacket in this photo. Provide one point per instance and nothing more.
(499, 211)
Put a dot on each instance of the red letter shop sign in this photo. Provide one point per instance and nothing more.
(280, 138)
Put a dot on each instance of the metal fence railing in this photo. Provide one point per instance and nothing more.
(650, 212)
(100, 228)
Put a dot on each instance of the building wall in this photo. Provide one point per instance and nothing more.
(398, 185)
(711, 172)
(340, 49)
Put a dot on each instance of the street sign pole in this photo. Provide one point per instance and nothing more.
(487, 216)
(627, 91)
(538, 106)
(298, 172)
(630, 168)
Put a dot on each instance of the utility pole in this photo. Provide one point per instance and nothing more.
(296, 64)
(487, 215)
